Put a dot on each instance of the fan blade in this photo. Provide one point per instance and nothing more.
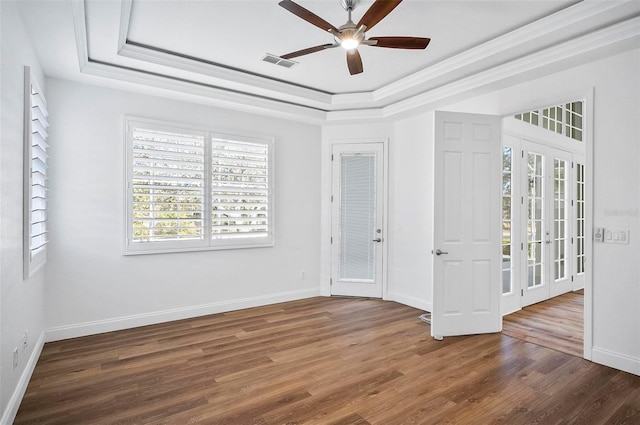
(307, 51)
(354, 62)
(377, 12)
(401, 42)
(308, 16)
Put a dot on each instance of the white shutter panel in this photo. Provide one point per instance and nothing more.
(239, 189)
(168, 186)
(39, 156)
(36, 158)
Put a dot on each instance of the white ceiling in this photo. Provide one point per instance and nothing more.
(212, 50)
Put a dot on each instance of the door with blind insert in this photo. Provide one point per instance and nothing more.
(357, 214)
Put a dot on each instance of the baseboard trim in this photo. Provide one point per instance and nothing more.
(126, 322)
(16, 398)
(616, 360)
(414, 302)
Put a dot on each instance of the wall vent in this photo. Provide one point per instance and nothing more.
(277, 60)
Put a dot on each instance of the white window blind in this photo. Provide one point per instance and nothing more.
(35, 176)
(357, 216)
(194, 189)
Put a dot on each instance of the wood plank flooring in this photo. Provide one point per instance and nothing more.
(557, 323)
(328, 361)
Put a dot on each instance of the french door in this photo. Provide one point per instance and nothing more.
(357, 236)
(547, 217)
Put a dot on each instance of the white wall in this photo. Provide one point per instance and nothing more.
(616, 198)
(21, 306)
(92, 287)
(411, 211)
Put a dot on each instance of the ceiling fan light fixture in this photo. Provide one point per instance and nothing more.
(349, 43)
(349, 37)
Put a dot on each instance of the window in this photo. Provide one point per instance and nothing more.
(580, 219)
(564, 119)
(552, 119)
(507, 178)
(35, 175)
(191, 189)
(573, 120)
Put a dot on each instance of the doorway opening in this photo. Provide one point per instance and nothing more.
(543, 225)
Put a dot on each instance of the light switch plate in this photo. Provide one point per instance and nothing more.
(617, 236)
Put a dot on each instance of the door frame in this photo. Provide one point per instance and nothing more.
(518, 106)
(327, 183)
(351, 287)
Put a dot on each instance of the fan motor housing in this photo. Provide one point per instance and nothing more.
(349, 4)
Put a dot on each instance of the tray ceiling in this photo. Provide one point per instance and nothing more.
(214, 48)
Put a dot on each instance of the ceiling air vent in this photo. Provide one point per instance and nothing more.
(277, 60)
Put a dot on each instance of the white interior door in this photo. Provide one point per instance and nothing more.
(467, 219)
(357, 217)
(547, 176)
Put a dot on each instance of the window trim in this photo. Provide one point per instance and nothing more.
(207, 243)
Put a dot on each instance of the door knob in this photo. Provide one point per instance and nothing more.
(377, 240)
(439, 252)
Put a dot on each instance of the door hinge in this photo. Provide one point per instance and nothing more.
(522, 154)
(332, 157)
(571, 278)
(331, 239)
(571, 241)
(522, 200)
(331, 198)
(331, 282)
(522, 292)
(521, 246)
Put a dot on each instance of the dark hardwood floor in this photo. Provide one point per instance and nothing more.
(329, 361)
(557, 323)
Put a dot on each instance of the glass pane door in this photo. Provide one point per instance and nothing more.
(560, 218)
(549, 225)
(535, 220)
(562, 224)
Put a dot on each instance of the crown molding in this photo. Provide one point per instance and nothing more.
(80, 31)
(209, 84)
(527, 34)
(227, 78)
(602, 39)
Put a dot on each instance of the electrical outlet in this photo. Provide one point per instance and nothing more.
(15, 358)
(25, 340)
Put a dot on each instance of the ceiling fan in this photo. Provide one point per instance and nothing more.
(351, 35)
